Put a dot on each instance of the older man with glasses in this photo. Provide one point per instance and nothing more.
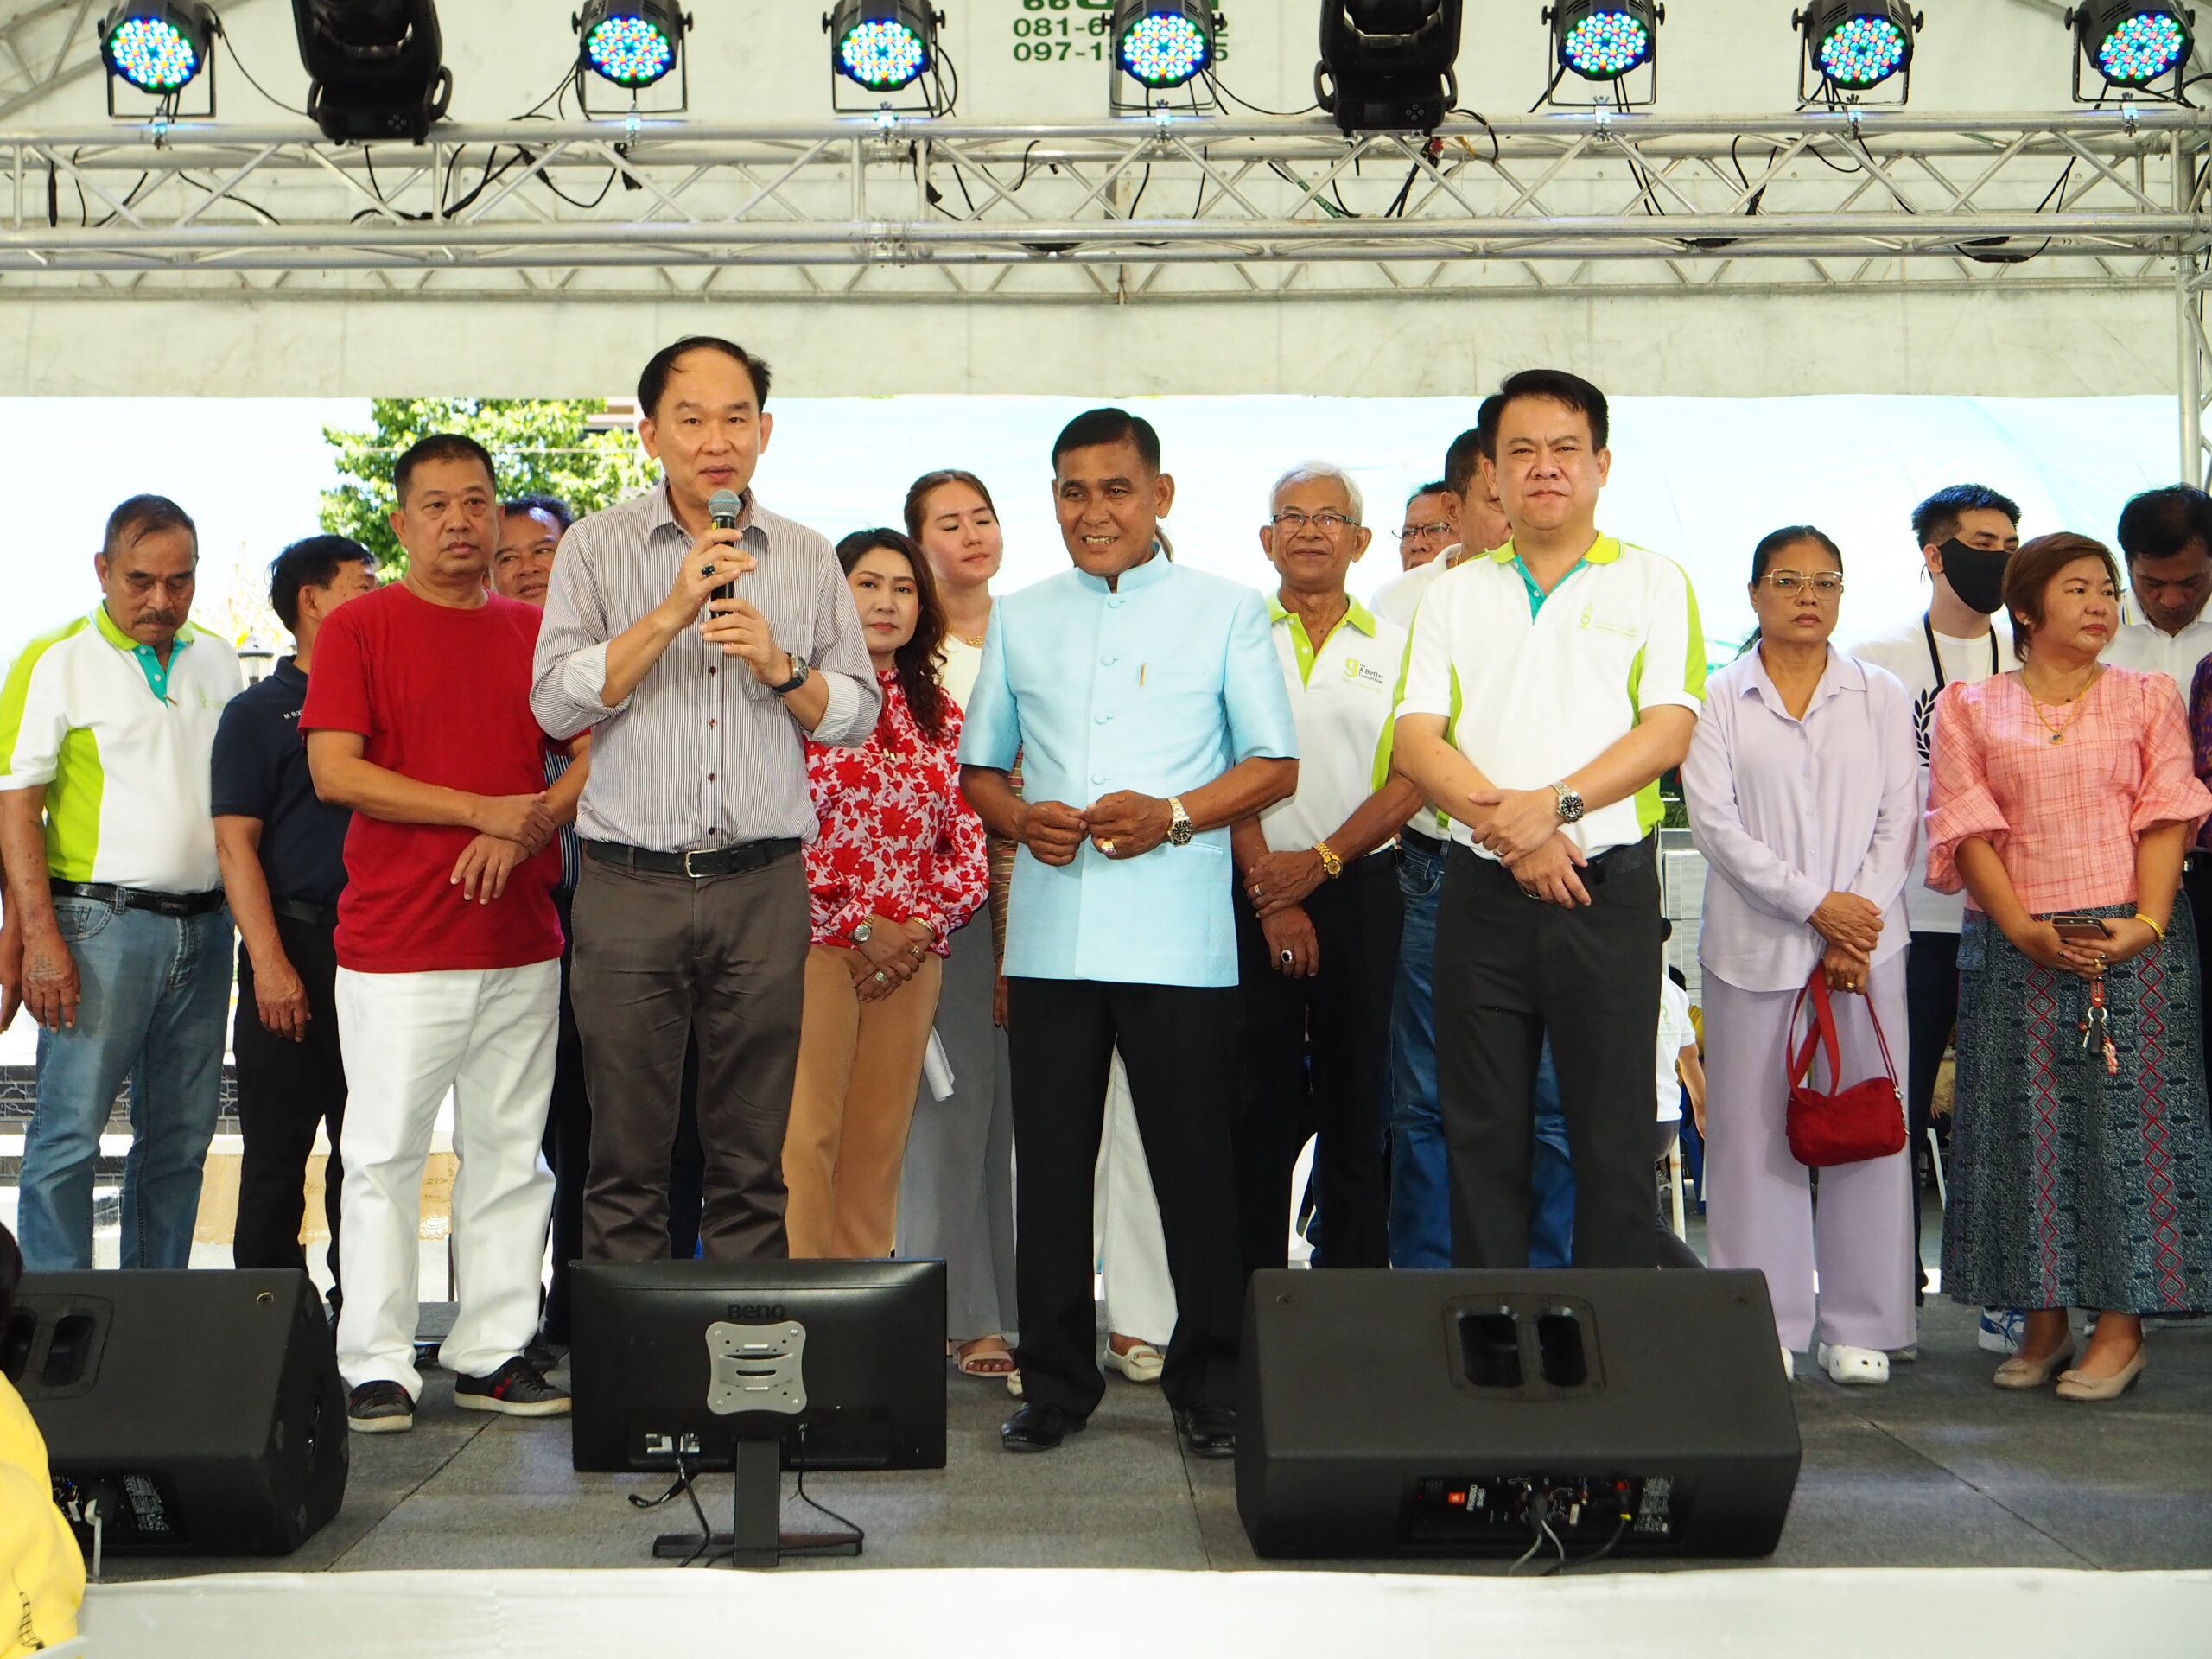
(1317, 923)
(1432, 524)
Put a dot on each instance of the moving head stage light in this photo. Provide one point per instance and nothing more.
(377, 67)
(1386, 65)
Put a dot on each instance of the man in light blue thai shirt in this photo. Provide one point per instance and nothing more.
(1149, 712)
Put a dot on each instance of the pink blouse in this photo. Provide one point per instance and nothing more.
(2063, 817)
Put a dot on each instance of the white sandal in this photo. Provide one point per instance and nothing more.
(1853, 1366)
(1142, 1364)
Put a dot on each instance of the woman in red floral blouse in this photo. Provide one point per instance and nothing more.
(899, 865)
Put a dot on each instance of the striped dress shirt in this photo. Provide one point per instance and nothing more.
(701, 755)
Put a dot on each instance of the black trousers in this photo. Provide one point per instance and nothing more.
(1179, 1045)
(1510, 970)
(568, 1153)
(1931, 1009)
(285, 1089)
(1316, 1060)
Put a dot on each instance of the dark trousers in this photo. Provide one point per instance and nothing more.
(1510, 970)
(2197, 887)
(285, 1089)
(661, 961)
(1931, 1009)
(1315, 1059)
(1179, 1047)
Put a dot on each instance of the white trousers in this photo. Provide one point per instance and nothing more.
(489, 1035)
(1760, 1202)
(1125, 1225)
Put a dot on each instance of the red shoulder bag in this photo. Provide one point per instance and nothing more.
(1865, 1120)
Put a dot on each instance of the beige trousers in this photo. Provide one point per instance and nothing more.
(859, 1064)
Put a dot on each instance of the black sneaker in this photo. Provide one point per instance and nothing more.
(517, 1389)
(380, 1408)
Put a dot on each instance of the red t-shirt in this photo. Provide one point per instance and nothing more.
(442, 697)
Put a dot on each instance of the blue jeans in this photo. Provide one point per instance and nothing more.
(1420, 1206)
(1551, 1176)
(154, 993)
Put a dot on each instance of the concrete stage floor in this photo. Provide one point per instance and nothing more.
(1937, 1470)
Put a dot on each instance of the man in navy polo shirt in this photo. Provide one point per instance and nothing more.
(282, 854)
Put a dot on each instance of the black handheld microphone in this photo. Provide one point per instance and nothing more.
(722, 507)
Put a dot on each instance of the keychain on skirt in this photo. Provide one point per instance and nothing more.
(2099, 1025)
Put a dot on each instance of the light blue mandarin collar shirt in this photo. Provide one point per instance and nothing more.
(1158, 686)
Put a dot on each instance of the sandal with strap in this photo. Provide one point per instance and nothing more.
(972, 1362)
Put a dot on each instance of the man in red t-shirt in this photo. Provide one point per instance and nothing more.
(448, 946)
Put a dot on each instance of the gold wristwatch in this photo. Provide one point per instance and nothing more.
(1332, 865)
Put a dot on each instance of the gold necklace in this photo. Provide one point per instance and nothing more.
(2058, 732)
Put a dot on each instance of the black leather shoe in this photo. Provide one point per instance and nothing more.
(1037, 1428)
(1208, 1431)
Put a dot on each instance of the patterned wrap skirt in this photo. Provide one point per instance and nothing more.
(2070, 1188)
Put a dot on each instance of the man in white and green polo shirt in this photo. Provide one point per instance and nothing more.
(106, 727)
(1547, 687)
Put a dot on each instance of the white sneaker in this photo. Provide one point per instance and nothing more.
(1853, 1366)
(2001, 1330)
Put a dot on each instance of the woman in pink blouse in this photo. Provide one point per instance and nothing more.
(2061, 797)
(898, 867)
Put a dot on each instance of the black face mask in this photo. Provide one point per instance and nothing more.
(1976, 575)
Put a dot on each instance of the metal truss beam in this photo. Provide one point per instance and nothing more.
(43, 45)
(1120, 212)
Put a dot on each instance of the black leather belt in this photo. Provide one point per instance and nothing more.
(161, 904)
(1433, 846)
(698, 864)
(294, 909)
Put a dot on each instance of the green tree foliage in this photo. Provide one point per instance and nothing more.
(539, 447)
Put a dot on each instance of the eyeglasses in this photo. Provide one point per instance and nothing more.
(1825, 584)
(1327, 523)
(1424, 532)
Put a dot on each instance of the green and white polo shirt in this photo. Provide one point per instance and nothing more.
(1536, 686)
(123, 745)
(1340, 699)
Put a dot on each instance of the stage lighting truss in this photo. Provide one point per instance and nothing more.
(1851, 47)
(2132, 46)
(1386, 66)
(156, 48)
(632, 45)
(886, 48)
(1609, 46)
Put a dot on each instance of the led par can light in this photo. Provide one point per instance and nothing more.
(1607, 40)
(883, 45)
(156, 46)
(1163, 43)
(632, 43)
(1856, 45)
(2133, 43)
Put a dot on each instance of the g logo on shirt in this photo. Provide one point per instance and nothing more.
(1358, 673)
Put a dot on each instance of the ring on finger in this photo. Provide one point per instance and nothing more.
(1287, 958)
(881, 978)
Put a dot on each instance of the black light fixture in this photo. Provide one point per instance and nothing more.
(1853, 45)
(2130, 44)
(882, 45)
(376, 68)
(632, 43)
(157, 45)
(1605, 40)
(1387, 65)
(1162, 44)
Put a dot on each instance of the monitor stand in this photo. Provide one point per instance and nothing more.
(755, 1537)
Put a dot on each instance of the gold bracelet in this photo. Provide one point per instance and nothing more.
(2152, 925)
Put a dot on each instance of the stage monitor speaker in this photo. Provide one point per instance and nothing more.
(201, 1413)
(1629, 1411)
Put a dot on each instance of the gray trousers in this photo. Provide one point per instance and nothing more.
(659, 960)
(956, 1194)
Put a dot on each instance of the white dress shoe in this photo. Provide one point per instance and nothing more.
(1850, 1365)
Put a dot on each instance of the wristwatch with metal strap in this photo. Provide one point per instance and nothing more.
(1332, 865)
(1179, 827)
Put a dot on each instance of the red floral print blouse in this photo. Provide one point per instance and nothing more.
(898, 839)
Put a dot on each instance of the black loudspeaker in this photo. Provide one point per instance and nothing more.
(203, 1413)
(1391, 1413)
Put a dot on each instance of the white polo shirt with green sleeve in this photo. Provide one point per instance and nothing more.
(122, 743)
(1535, 686)
(1340, 699)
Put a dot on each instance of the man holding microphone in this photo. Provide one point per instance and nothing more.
(691, 914)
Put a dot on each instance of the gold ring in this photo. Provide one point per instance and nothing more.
(1107, 847)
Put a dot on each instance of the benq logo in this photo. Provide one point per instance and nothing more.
(756, 1313)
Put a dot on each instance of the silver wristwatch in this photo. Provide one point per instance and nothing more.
(1569, 804)
(863, 933)
(1179, 827)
